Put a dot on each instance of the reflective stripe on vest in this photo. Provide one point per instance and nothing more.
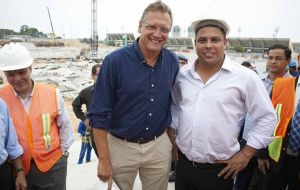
(46, 129)
(283, 99)
(278, 113)
(37, 129)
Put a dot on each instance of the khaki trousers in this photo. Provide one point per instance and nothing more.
(152, 160)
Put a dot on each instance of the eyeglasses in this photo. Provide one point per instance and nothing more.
(20, 72)
(153, 28)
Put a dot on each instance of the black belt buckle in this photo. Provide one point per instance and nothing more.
(195, 164)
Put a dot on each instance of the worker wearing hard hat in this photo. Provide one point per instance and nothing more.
(293, 68)
(40, 118)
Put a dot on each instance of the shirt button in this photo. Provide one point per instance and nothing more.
(151, 100)
(152, 85)
(150, 114)
(152, 70)
(147, 128)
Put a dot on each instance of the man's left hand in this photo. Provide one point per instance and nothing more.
(21, 181)
(237, 162)
(234, 165)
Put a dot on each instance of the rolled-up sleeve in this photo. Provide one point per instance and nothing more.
(260, 107)
(103, 97)
(12, 146)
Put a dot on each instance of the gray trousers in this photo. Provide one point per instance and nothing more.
(54, 179)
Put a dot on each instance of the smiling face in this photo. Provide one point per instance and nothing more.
(20, 80)
(210, 45)
(154, 30)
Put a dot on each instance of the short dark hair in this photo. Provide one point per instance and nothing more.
(246, 64)
(287, 51)
(157, 6)
(94, 69)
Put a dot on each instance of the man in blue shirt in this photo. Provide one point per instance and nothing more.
(130, 109)
(10, 149)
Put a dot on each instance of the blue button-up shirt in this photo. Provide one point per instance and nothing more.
(132, 99)
(9, 146)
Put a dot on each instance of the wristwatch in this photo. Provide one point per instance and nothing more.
(66, 153)
(19, 170)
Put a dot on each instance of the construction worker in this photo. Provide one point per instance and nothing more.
(84, 98)
(40, 119)
(279, 163)
(278, 166)
(293, 68)
(86, 144)
(10, 150)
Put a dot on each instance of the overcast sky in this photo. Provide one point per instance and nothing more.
(71, 18)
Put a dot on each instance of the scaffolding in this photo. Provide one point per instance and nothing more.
(94, 33)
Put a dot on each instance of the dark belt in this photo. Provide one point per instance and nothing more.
(140, 140)
(198, 164)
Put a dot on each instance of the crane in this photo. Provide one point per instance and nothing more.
(94, 33)
(53, 34)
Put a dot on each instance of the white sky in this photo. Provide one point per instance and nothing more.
(71, 18)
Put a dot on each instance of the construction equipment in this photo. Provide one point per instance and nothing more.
(53, 34)
(94, 33)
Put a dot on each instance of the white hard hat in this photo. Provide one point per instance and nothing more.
(14, 57)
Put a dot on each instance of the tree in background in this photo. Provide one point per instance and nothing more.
(6, 32)
(24, 30)
(31, 31)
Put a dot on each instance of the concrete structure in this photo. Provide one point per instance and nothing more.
(94, 32)
(257, 45)
(52, 52)
(17, 38)
(119, 39)
(296, 46)
(179, 43)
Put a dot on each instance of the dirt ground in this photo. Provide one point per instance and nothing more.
(73, 119)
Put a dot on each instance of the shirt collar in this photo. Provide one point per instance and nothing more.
(29, 96)
(265, 76)
(225, 66)
(140, 55)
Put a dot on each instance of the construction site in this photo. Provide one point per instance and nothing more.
(67, 64)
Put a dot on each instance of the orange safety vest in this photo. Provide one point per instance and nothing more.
(37, 130)
(283, 99)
